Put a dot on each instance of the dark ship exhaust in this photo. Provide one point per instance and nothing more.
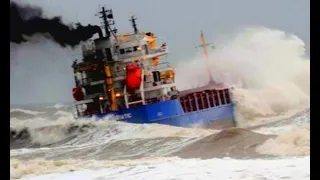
(26, 21)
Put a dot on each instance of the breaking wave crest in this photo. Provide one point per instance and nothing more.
(104, 138)
(41, 132)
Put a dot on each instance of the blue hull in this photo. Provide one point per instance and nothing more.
(171, 113)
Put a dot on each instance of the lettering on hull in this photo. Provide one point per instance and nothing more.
(123, 116)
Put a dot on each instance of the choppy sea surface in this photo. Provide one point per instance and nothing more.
(49, 144)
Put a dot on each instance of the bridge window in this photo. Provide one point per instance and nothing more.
(129, 50)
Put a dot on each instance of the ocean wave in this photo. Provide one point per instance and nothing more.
(21, 112)
(293, 143)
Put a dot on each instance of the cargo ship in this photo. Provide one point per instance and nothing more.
(123, 76)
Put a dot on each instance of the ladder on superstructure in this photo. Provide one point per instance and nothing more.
(141, 88)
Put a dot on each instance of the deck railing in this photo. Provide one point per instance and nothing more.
(205, 99)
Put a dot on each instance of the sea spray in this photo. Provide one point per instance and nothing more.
(267, 68)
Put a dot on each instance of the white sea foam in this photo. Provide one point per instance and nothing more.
(293, 168)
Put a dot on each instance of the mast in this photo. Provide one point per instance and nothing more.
(107, 20)
(134, 25)
(205, 51)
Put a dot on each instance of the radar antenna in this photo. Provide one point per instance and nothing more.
(108, 20)
(134, 25)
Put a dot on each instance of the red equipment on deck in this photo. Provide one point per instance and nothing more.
(133, 76)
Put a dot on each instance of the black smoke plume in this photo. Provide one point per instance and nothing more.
(27, 21)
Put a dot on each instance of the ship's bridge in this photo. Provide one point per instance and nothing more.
(131, 47)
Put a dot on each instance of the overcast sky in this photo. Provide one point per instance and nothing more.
(40, 70)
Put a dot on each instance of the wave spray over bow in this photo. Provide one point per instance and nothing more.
(267, 68)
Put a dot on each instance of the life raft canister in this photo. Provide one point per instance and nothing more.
(77, 93)
(133, 76)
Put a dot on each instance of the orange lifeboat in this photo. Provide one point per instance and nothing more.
(133, 76)
(77, 93)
